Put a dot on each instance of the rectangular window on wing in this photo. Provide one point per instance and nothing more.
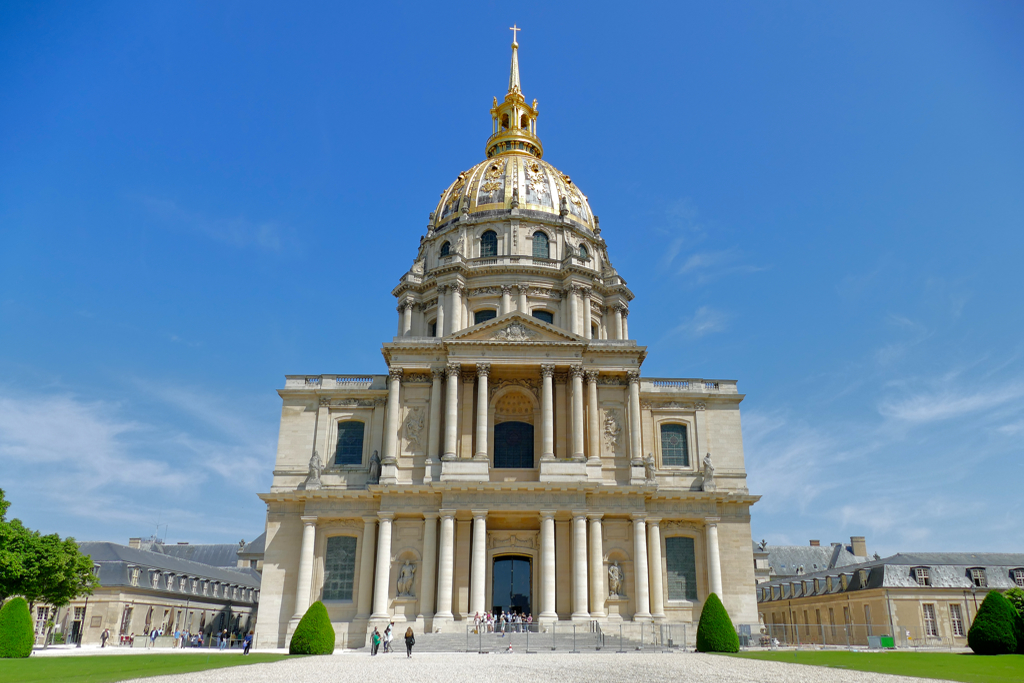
(674, 451)
(339, 567)
(682, 568)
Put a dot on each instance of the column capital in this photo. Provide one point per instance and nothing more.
(430, 515)
(453, 369)
(447, 513)
(369, 519)
(441, 289)
(595, 516)
(576, 371)
(625, 312)
(506, 289)
(591, 376)
(620, 307)
(547, 514)
(712, 521)
(309, 520)
(385, 515)
(478, 514)
(633, 376)
(457, 288)
(547, 370)
(395, 373)
(483, 369)
(638, 516)
(523, 288)
(653, 521)
(586, 291)
(579, 514)
(437, 373)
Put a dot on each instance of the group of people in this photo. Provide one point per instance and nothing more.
(377, 638)
(183, 638)
(503, 622)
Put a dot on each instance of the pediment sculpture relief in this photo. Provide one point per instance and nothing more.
(515, 331)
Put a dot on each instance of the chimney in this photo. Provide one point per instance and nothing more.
(859, 545)
(815, 544)
(135, 543)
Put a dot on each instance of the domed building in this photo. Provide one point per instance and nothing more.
(513, 459)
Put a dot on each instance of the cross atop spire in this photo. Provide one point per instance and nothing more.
(513, 77)
(514, 28)
(513, 121)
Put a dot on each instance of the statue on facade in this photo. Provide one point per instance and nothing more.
(615, 577)
(649, 468)
(515, 198)
(316, 466)
(405, 577)
(709, 474)
(374, 477)
(563, 206)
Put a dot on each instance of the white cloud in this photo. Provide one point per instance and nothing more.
(704, 321)
(948, 403)
(236, 232)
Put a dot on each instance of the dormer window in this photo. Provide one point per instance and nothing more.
(1018, 577)
(921, 575)
(978, 577)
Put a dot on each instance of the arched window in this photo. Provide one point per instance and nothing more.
(339, 567)
(446, 248)
(546, 316)
(489, 244)
(513, 445)
(540, 245)
(485, 315)
(584, 254)
(350, 444)
(674, 452)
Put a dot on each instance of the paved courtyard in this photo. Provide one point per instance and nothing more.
(531, 668)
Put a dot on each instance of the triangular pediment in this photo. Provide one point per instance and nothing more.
(514, 327)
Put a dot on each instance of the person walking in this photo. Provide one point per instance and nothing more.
(152, 638)
(247, 642)
(374, 641)
(224, 639)
(104, 637)
(410, 640)
(388, 637)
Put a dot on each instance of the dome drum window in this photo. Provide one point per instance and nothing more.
(489, 244)
(541, 248)
(446, 249)
(545, 316)
(484, 316)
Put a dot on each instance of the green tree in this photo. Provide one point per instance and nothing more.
(1016, 598)
(16, 635)
(994, 631)
(715, 632)
(314, 634)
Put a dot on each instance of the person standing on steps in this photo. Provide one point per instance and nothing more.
(410, 640)
(374, 642)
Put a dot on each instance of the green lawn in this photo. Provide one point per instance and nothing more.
(105, 668)
(943, 665)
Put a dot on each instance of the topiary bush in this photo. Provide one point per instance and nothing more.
(314, 635)
(1016, 598)
(715, 632)
(994, 629)
(16, 635)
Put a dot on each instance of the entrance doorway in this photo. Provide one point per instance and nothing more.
(511, 585)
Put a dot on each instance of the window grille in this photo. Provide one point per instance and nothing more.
(489, 244)
(350, 444)
(978, 577)
(446, 249)
(681, 562)
(546, 316)
(674, 451)
(484, 316)
(583, 253)
(931, 629)
(922, 577)
(541, 248)
(339, 567)
(956, 620)
(1018, 577)
(513, 445)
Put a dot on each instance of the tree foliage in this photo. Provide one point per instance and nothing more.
(715, 632)
(16, 635)
(994, 631)
(314, 634)
(41, 568)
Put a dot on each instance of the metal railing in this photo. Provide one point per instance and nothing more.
(846, 636)
(577, 638)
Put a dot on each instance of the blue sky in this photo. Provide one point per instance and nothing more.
(824, 201)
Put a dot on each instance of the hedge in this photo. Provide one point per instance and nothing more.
(314, 635)
(994, 629)
(715, 632)
(16, 635)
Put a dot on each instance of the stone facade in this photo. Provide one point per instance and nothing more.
(514, 424)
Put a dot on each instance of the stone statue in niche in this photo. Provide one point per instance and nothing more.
(414, 427)
(316, 467)
(709, 475)
(649, 468)
(615, 577)
(405, 579)
(611, 432)
(374, 477)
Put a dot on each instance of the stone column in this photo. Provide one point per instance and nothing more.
(547, 566)
(482, 370)
(418, 330)
(654, 568)
(445, 567)
(625, 323)
(547, 417)
(363, 604)
(451, 418)
(393, 419)
(643, 601)
(714, 560)
(305, 577)
(576, 371)
(587, 334)
(382, 579)
(401, 319)
(598, 592)
(442, 321)
(594, 421)
(574, 308)
(457, 290)
(434, 431)
(636, 455)
(428, 567)
(407, 319)
(478, 579)
(523, 305)
(506, 299)
(579, 566)
(618, 321)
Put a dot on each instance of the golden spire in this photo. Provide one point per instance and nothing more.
(513, 77)
(513, 121)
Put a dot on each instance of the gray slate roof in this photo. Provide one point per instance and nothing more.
(214, 554)
(256, 546)
(786, 560)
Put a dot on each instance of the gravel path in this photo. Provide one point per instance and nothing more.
(529, 668)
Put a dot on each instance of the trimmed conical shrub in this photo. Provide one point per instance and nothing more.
(715, 632)
(16, 635)
(314, 635)
(994, 629)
